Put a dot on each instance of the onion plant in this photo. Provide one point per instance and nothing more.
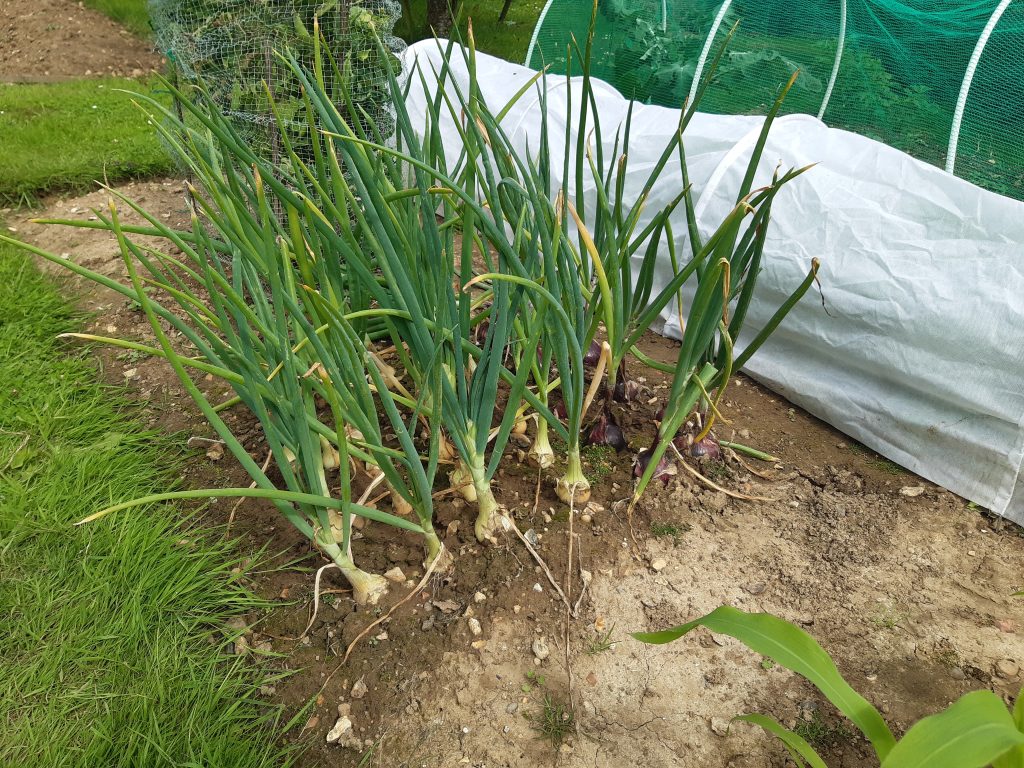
(482, 272)
(262, 297)
(417, 264)
(725, 269)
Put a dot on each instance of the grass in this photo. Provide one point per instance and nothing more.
(62, 137)
(600, 642)
(132, 14)
(110, 652)
(820, 733)
(508, 39)
(669, 530)
(554, 721)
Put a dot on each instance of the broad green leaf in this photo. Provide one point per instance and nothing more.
(794, 649)
(799, 749)
(1015, 757)
(973, 732)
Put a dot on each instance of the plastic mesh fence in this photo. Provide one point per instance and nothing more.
(894, 71)
(231, 45)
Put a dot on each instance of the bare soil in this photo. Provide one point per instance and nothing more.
(50, 40)
(910, 594)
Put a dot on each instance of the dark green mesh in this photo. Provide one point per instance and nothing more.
(899, 79)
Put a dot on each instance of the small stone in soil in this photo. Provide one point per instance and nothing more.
(754, 589)
(912, 491)
(342, 727)
(540, 648)
(475, 628)
(659, 564)
(720, 726)
(395, 575)
(446, 606)
(1007, 668)
(359, 689)
(512, 708)
(479, 597)
(537, 587)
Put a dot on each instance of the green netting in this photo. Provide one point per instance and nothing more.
(899, 68)
(231, 45)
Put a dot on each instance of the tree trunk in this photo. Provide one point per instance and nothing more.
(439, 17)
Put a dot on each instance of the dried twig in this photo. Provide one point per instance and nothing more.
(510, 524)
(714, 485)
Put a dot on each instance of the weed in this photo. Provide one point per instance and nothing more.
(889, 617)
(601, 642)
(716, 470)
(876, 461)
(890, 467)
(819, 732)
(554, 720)
(598, 461)
(132, 356)
(674, 531)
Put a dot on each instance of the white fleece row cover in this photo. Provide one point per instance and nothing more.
(919, 350)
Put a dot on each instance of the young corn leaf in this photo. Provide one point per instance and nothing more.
(801, 752)
(794, 649)
(973, 732)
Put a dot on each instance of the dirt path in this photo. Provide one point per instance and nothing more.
(907, 586)
(51, 40)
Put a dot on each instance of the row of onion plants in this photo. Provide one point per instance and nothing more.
(390, 311)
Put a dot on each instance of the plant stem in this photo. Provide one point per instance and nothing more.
(746, 449)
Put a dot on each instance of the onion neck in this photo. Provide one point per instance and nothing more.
(488, 512)
(541, 454)
(367, 588)
(436, 552)
(573, 487)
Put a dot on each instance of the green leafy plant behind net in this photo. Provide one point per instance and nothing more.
(893, 71)
(230, 46)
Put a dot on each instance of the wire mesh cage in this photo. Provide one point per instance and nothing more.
(232, 47)
(939, 79)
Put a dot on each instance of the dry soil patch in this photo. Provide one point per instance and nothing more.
(49, 40)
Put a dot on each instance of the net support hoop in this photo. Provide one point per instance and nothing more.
(965, 87)
(536, 32)
(837, 62)
(707, 48)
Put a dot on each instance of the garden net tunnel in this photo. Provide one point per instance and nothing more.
(938, 79)
(914, 346)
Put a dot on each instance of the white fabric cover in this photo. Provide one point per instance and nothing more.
(920, 354)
